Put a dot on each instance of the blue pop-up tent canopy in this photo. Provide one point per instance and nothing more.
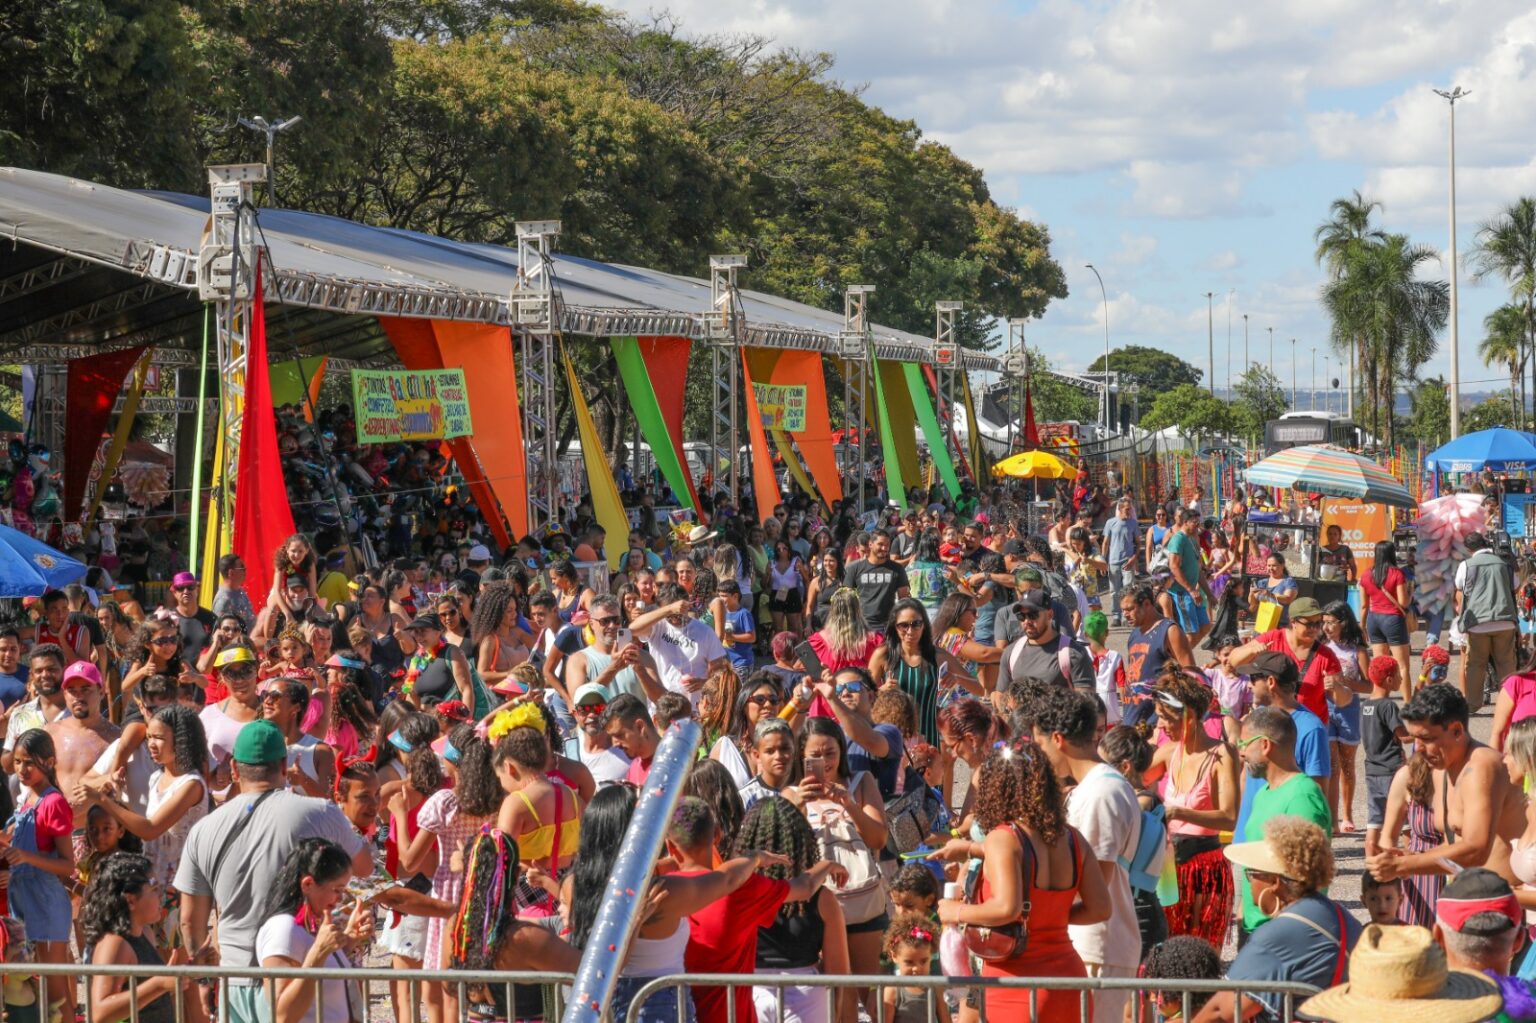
(1497, 450)
(28, 567)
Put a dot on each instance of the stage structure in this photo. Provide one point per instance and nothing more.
(90, 268)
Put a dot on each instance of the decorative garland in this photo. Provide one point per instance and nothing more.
(419, 663)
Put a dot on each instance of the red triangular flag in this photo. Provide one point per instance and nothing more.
(263, 518)
(1031, 431)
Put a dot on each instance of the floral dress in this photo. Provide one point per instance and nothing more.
(455, 831)
(165, 852)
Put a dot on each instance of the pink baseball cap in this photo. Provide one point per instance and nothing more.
(82, 672)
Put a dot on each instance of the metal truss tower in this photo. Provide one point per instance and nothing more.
(536, 322)
(853, 343)
(722, 329)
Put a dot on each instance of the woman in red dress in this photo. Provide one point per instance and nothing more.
(1018, 804)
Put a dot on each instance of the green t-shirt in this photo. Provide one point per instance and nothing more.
(1299, 797)
(1188, 552)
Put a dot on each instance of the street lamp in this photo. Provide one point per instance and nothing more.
(1456, 93)
(1230, 293)
(1272, 354)
(260, 125)
(1314, 378)
(1327, 386)
(1245, 343)
(1293, 372)
(1210, 337)
(1105, 296)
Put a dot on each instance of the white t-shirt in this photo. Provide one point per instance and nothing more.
(1104, 684)
(681, 652)
(607, 765)
(1104, 810)
(281, 936)
(140, 770)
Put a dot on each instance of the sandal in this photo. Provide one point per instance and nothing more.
(1347, 827)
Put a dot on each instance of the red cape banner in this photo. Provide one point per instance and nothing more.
(263, 518)
(1031, 430)
(765, 482)
(94, 384)
(770, 366)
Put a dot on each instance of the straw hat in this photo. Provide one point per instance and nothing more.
(1399, 973)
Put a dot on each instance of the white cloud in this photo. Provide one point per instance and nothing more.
(1185, 190)
(1135, 249)
(1222, 261)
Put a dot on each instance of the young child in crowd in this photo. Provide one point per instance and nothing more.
(909, 944)
(672, 707)
(1436, 666)
(1108, 667)
(786, 666)
(1234, 693)
(1381, 899)
(1185, 957)
(740, 631)
(894, 707)
(915, 889)
(1382, 734)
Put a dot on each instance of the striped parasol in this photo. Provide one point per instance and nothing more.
(1325, 469)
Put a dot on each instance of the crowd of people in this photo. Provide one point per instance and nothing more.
(921, 756)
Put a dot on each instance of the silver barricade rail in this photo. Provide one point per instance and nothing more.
(619, 918)
(463, 980)
(934, 987)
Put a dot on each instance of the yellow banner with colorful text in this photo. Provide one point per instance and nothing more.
(782, 406)
(394, 405)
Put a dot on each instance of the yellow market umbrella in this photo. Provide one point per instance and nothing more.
(1035, 465)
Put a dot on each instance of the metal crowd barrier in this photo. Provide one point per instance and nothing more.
(558, 984)
(934, 987)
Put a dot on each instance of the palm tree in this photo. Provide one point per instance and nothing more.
(1506, 247)
(1504, 346)
(1347, 228)
(1379, 298)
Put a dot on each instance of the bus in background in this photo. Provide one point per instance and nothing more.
(1297, 428)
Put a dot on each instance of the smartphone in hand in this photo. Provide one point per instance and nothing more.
(806, 655)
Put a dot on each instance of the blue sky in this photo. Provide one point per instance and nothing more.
(1194, 146)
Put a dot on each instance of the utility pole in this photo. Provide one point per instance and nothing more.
(1293, 372)
(1230, 293)
(1105, 296)
(1272, 354)
(1245, 343)
(1327, 386)
(1314, 378)
(1455, 93)
(260, 125)
(1210, 337)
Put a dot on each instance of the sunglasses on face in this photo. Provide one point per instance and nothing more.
(607, 620)
(591, 708)
(908, 626)
(1245, 743)
(165, 640)
(271, 694)
(849, 687)
(764, 700)
(183, 589)
(1308, 623)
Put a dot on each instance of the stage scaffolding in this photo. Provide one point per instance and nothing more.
(90, 268)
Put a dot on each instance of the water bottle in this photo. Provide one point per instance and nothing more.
(952, 956)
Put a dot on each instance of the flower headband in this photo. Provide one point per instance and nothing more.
(524, 715)
(921, 934)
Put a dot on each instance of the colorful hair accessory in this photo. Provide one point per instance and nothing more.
(1168, 699)
(400, 742)
(921, 934)
(450, 753)
(524, 715)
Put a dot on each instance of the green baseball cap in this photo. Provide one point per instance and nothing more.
(260, 742)
(1305, 607)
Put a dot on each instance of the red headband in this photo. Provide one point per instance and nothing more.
(1454, 913)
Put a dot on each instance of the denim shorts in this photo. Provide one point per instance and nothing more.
(1389, 629)
(1344, 723)
(660, 1007)
(1376, 788)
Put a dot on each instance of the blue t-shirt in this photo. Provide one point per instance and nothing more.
(740, 653)
(884, 768)
(1282, 949)
(1311, 744)
(13, 688)
(1119, 540)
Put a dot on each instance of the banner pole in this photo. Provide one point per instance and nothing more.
(197, 443)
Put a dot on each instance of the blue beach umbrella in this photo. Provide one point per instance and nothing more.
(28, 567)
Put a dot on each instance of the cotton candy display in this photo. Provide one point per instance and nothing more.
(1443, 527)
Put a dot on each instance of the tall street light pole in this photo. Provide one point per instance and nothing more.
(1293, 372)
(1105, 296)
(1455, 93)
(1314, 378)
(1210, 336)
(1245, 344)
(1327, 386)
(1230, 293)
(1272, 354)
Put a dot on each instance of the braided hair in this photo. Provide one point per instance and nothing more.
(777, 825)
(489, 908)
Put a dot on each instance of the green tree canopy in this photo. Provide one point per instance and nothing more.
(1487, 414)
(1191, 408)
(1257, 398)
(1430, 417)
(1151, 369)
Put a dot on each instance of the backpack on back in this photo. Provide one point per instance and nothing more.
(863, 896)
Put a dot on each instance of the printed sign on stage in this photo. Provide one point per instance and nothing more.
(782, 406)
(393, 405)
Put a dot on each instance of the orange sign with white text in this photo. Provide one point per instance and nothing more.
(1363, 525)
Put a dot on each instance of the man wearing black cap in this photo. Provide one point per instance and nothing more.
(232, 856)
(1043, 652)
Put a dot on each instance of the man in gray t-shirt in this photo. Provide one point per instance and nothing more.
(1038, 652)
(235, 877)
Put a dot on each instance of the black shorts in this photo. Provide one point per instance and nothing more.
(879, 923)
(792, 604)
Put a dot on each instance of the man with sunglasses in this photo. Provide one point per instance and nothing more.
(614, 660)
(850, 693)
(1302, 642)
(195, 624)
(686, 651)
(1044, 652)
(1278, 787)
(592, 746)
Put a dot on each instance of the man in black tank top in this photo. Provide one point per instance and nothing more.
(1154, 641)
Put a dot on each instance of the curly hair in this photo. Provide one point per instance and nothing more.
(349, 705)
(526, 747)
(104, 907)
(283, 567)
(1017, 784)
(1124, 744)
(916, 879)
(966, 717)
(711, 782)
(478, 788)
(1178, 683)
(1305, 850)
(894, 707)
(141, 647)
(777, 825)
(491, 610)
(1185, 957)
(189, 742)
(911, 930)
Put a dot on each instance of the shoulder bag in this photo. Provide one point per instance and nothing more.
(1008, 941)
